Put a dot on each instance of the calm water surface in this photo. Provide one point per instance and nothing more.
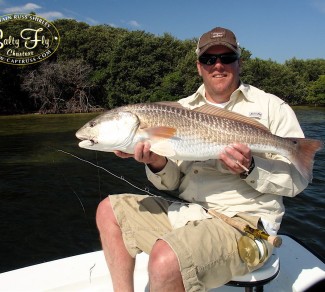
(48, 199)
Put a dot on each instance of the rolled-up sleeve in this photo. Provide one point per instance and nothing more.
(166, 179)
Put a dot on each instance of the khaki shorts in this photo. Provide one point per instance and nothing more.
(207, 250)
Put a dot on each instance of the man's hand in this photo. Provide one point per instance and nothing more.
(237, 158)
(143, 154)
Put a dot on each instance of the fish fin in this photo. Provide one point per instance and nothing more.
(303, 158)
(217, 111)
(163, 148)
(223, 113)
(160, 132)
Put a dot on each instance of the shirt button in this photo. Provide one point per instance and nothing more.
(196, 171)
(252, 181)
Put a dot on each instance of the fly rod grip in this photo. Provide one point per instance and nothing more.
(234, 223)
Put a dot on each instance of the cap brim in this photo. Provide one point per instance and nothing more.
(206, 47)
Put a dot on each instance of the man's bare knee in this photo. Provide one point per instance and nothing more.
(161, 254)
(163, 265)
(105, 215)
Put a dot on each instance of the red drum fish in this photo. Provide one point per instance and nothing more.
(200, 134)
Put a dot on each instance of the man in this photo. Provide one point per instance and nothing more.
(189, 250)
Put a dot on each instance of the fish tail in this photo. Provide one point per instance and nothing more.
(303, 157)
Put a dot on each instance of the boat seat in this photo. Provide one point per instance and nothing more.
(255, 280)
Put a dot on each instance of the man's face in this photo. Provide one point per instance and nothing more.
(220, 80)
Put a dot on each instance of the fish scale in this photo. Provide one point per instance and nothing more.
(209, 129)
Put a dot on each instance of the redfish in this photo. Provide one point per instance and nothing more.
(182, 134)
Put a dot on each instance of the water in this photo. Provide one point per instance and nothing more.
(305, 214)
(48, 199)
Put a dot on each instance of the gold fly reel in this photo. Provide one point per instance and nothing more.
(252, 251)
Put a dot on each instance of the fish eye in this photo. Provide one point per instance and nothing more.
(92, 124)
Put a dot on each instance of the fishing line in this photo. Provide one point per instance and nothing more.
(89, 225)
(99, 181)
(145, 190)
(82, 205)
(106, 170)
(73, 191)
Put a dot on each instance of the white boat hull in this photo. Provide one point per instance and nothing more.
(299, 270)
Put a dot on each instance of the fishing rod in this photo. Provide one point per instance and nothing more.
(276, 241)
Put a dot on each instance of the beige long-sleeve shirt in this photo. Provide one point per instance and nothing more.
(209, 184)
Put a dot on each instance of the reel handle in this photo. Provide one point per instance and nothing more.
(276, 240)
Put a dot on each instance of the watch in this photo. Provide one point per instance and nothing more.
(245, 174)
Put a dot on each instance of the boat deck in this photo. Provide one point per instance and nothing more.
(299, 269)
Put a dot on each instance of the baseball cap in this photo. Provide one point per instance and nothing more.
(217, 36)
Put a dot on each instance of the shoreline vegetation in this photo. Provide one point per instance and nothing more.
(100, 67)
(103, 110)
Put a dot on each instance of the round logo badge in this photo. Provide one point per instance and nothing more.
(26, 39)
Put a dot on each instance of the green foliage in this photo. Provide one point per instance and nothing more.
(317, 91)
(310, 70)
(73, 38)
(139, 63)
(275, 78)
(123, 66)
(245, 54)
(182, 81)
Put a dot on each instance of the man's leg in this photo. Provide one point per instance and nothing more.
(119, 261)
(164, 271)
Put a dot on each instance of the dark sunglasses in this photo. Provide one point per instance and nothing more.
(210, 59)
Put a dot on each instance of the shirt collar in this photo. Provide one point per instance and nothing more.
(244, 89)
(199, 97)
